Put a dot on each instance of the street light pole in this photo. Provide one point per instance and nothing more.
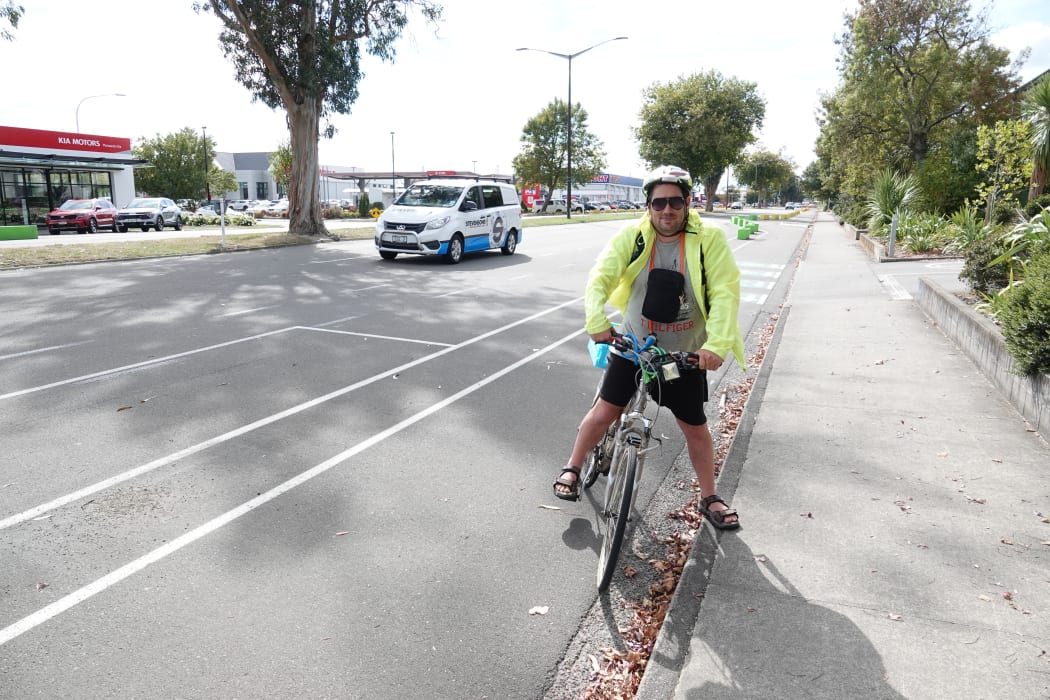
(207, 185)
(108, 94)
(393, 171)
(568, 130)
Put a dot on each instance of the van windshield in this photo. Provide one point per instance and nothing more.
(430, 196)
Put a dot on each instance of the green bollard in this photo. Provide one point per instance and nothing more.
(743, 233)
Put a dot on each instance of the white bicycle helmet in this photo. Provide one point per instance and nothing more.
(668, 174)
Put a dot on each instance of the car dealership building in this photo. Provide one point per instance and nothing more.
(41, 169)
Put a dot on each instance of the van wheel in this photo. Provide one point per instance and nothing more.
(387, 255)
(455, 250)
(511, 245)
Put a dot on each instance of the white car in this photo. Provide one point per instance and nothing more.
(557, 206)
(149, 212)
(278, 208)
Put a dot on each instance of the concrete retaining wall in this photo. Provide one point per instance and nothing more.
(982, 342)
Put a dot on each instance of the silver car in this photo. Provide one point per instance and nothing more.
(150, 212)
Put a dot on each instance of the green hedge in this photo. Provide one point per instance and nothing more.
(1025, 318)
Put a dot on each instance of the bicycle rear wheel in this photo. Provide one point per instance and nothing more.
(621, 490)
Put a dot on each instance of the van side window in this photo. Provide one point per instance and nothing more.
(492, 196)
(510, 195)
(473, 195)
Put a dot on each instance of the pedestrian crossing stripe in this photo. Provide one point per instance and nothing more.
(754, 298)
(753, 265)
(746, 283)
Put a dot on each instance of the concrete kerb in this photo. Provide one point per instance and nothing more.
(671, 649)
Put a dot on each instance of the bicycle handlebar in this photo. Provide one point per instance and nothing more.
(628, 346)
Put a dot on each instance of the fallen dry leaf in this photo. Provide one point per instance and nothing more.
(806, 515)
(123, 408)
(1005, 541)
(630, 571)
(984, 598)
(539, 610)
(997, 460)
(545, 507)
(341, 533)
(895, 617)
(943, 454)
(41, 585)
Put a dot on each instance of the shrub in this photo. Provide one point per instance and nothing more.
(891, 193)
(363, 204)
(967, 227)
(1025, 318)
(1006, 212)
(922, 233)
(978, 271)
(1037, 205)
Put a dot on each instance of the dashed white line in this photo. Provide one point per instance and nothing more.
(39, 350)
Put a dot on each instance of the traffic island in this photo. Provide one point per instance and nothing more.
(17, 233)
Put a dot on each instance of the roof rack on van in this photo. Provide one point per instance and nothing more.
(457, 175)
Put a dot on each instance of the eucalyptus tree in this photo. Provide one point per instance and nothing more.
(701, 122)
(10, 12)
(304, 56)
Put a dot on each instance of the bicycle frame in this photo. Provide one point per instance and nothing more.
(633, 428)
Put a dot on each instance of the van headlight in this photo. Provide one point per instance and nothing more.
(439, 222)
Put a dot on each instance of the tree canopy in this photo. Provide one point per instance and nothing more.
(544, 152)
(913, 74)
(700, 122)
(1035, 109)
(10, 12)
(764, 173)
(177, 166)
(305, 58)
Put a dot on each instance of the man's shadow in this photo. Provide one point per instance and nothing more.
(756, 636)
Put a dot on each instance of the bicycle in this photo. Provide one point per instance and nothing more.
(620, 454)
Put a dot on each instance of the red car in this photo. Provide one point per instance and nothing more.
(83, 216)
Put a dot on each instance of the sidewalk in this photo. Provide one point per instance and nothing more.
(893, 543)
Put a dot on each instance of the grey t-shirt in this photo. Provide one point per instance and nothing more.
(686, 333)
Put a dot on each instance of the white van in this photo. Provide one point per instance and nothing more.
(451, 217)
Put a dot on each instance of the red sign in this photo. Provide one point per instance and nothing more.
(62, 140)
(434, 173)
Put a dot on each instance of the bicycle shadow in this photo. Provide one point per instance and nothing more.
(755, 635)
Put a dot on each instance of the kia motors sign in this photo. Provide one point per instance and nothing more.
(62, 140)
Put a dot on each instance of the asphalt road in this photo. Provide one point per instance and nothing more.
(304, 472)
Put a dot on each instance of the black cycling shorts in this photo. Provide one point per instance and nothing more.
(684, 397)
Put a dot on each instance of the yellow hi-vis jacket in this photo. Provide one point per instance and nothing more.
(614, 272)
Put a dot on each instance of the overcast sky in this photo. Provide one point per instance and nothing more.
(457, 95)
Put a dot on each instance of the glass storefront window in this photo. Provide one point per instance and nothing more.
(45, 190)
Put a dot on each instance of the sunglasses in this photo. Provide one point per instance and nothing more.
(659, 203)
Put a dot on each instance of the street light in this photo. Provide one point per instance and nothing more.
(393, 171)
(108, 94)
(568, 136)
(207, 185)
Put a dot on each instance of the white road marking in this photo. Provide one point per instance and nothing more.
(897, 292)
(47, 349)
(99, 585)
(225, 437)
(379, 337)
(247, 311)
(137, 365)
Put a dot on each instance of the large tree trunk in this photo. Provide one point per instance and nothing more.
(304, 206)
(1038, 183)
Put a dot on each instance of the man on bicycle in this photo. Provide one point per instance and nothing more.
(672, 277)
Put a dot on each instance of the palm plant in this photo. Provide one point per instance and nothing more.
(1023, 241)
(891, 193)
(1035, 108)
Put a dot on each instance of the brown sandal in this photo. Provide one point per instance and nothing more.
(574, 486)
(718, 517)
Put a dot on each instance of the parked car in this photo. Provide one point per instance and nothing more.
(591, 206)
(624, 204)
(557, 206)
(737, 205)
(238, 204)
(259, 207)
(83, 216)
(186, 204)
(790, 205)
(208, 208)
(278, 208)
(150, 212)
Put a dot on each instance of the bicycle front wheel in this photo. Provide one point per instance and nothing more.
(617, 512)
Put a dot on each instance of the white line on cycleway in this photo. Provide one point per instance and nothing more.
(47, 349)
(237, 432)
(114, 577)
